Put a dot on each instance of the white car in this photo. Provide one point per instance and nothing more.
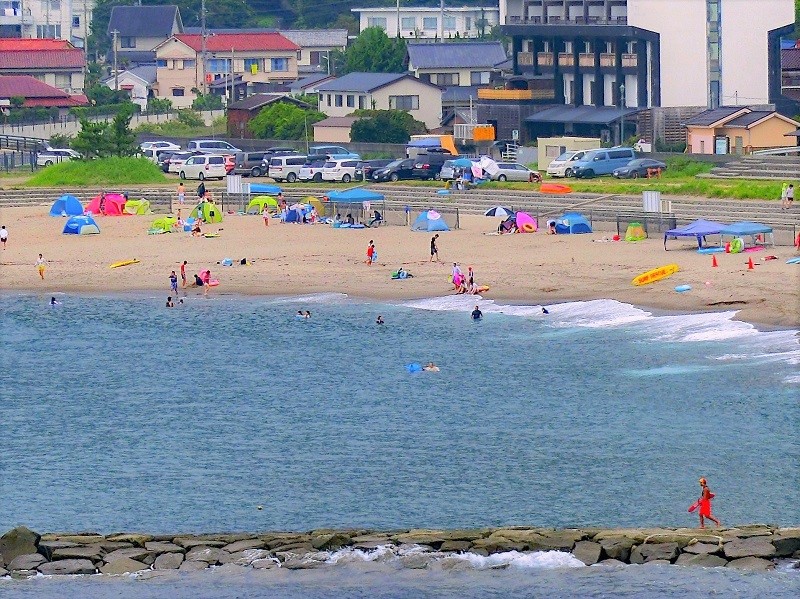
(159, 146)
(311, 171)
(54, 155)
(176, 161)
(562, 166)
(211, 146)
(512, 171)
(204, 166)
(339, 169)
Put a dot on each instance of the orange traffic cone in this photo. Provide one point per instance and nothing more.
(750, 264)
(714, 262)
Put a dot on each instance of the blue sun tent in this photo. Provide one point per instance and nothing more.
(698, 229)
(264, 188)
(430, 220)
(81, 225)
(66, 205)
(572, 222)
(356, 195)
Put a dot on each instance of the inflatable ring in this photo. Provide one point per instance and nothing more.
(528, 228)
(737, 245)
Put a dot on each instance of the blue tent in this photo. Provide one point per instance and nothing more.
(748, 229)
(572, 222)
(264, 188)
(355, 195)
(430, 220)
(66, 205)
(80, 225)
(699, 229)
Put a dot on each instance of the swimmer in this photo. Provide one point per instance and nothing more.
(379, 320)
(431, 367)
(299, 314)
(544, 310)
(477, 314)
(307, 314)
(53, 302)
(169, 302)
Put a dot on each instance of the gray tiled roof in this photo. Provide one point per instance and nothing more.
(453, 55)
(259, 100)
(458, 93)
(309, 81)
(320, 38)
(748, 119)
(709, 117)
(143, 21)
(360, 82)
(146, 72)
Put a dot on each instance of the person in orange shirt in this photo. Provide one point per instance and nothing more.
(370, 253)
(705, 504)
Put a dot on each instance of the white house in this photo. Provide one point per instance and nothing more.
(137, 81)
(429, 22)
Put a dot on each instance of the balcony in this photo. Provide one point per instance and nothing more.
(541, 20)
(629, 60)
(486, 93)
(607, 60)
(586, 60)
(545, 59)
(792, 81)
(15, 16)
(525, 59)
(566, 59)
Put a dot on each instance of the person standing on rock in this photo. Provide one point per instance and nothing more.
(705, 504)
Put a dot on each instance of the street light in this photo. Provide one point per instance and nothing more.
(621, 116)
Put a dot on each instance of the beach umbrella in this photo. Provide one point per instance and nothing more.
(462, 163)
(499, 211)
(297, 207)
(489, 165)
(433, 215)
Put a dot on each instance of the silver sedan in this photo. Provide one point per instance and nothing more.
(511, 171)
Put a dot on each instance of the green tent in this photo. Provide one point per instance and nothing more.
(164, 223)
(635, 232)
(208, 211)
(257, 204)
(138, 207)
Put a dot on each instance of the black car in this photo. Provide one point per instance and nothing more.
(249, 164)
(639, 168)
(365, 169)
(395, 171)
(429, 166)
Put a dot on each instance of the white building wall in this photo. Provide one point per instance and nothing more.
(466, 21)
(587, 89)
(49, 18)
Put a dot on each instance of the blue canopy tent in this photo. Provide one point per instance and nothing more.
(263, 188)
(699, 229)
(66, 205)
(572, 222)
(355, 195)
(748, 229)
(80, 225)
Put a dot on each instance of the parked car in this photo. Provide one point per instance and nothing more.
(562, 166)
(367, 167)
(638, 168)
(230, 163)
(340, 169)
(311, 170)
(159, 145)
(332, 151)
(429, 165)
(211, 146)
(271, 153)
(204, 166)
(163, 160)
(512, 171)
(602, 162)
(249, 164)
(395, 171)
(286, 168)
(54, 155)
(176, 161)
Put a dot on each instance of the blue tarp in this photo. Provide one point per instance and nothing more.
(699, 229)
(356, 195)
(745, 228)
(66, 205)
(264, 188)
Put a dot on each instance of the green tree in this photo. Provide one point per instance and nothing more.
(207, 102)
(374, 52)
(385, 126)
(159, 105)
(283, 120)
(121, 139)
(92, 139)
(102, 95)
(16, 101)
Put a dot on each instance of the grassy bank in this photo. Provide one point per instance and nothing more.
(104, 171)
(184, 129)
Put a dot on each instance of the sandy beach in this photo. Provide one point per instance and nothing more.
(288, 259)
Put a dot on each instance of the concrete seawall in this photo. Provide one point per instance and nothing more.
(24, 553)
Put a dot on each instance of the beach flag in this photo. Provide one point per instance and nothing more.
(714, 262)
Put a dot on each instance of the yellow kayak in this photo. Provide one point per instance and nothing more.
(651, 276)
(124, 263)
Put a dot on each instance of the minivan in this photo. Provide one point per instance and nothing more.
(286, 168)
(211, 146)
(602, 162)
(249, 163)
(338, 169)
(203, 166)
(562, 166)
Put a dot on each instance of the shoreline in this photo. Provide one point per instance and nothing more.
(755, 547)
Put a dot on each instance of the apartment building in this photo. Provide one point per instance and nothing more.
(60, 19)
(137, 30)
(429, 22)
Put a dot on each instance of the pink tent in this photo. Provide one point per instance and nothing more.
(113, 205)
(525, 222)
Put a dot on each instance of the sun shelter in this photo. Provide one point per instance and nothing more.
(113, 204)
(354, 195)
(164, 224)
(66, 205)
(138, 207)
(265, 188)
(208, 211)
(80, 225)
(295, 213)
(698, 229)
(572, 222)
(316, 204)
(748, 229)
(257, 204)
(635, 232)
(428, 221)
(525, 223)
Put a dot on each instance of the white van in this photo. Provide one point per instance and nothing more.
(211, 146)
(340, 169)
(203, 166)
(562, 166)
(286, 168)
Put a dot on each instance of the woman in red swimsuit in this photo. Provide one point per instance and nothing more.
(705, 504)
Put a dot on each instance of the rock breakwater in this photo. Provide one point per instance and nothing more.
(24, 553)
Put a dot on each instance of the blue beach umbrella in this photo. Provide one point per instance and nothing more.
(462, 163)
(499, 211)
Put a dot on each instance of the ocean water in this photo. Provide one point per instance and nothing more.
(120, 414)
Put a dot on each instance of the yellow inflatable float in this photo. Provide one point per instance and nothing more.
(651, 276)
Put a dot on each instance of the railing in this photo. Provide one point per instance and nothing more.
(505, 94)
(566, 59)
(778, 151)
(630, 60)
(545, 59)
(525, 59)
(554, 20)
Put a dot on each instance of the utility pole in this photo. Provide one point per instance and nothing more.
(86, 32)
(399, 34)
(115, 33)
(203, 36)
(441, 20)
(230, 72)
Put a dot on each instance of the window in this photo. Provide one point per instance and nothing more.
(338, 100)
(315, 58)
(467, 23)
(430, 23)
(404, 102)
(177, 92)
(329, 99)
(361, 102)
(446, 78)
(351, 101)
(479, 78)
(189, 64)
(48, 31)
(127, 42)
(279, 64)
(63, 80)
(449, 23)
(219, 65)
(587, 47)
(376, 22)
(253, 65)
(568, 47)
(76, 21)
(408, 23)
(162, 64)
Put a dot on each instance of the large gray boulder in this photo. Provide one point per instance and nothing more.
(265, 563)
(68, 566)
(17, 541)
(618, 548)
(168, 561)
(330, 542)
(136, 553)
(751, 563)
(701, 548)
(210, 555)
(705, 560)
(123, 565)
(90, 552)
(46, 548)
(650, 552)
(786, 542)
(163, 547)
(188, 566)
(136, 539)
(29, 561)
(189, 542)
(756, 546)
(448, 546)
(238, 546)
(588, 552)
